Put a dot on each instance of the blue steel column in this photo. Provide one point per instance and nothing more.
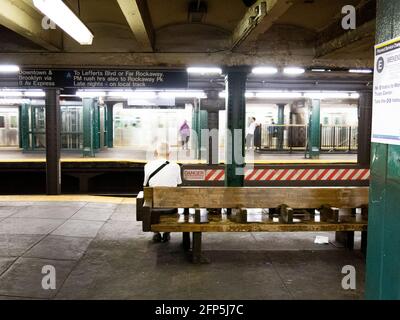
(236, 125)
(53, 142)
(383, 251)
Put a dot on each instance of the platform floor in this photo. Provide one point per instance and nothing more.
(124, 154)
(100, 252)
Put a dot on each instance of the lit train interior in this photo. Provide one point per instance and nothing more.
(126, 125)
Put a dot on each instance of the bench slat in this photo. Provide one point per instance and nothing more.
(170, 223)
(249, 197)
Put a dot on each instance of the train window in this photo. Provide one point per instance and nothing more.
(2, 122)
(13, 122)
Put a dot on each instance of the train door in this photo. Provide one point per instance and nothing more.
(102, 130)
(37, 131)
(9, 128)
(71, 127)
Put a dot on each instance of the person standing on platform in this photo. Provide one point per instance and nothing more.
(250, 133)
(184, 132)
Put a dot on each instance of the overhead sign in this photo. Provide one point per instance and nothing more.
(386, 99)
(102, 79)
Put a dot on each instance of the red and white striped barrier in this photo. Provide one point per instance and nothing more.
(295, 175)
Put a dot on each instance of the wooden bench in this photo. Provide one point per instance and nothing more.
(290, 209)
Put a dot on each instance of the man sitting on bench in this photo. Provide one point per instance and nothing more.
(162, 173)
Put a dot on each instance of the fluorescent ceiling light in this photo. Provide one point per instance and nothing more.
(182, 94)
(293, 70)
(90, 94)
(360, 71)
(278, 95)
(8, 93)
(248, 94)
(331, 95)
(9, 68)
(264, 70)
(204, 70)
(318, 70)
(61, 15)
(132, 94)
(13, 101)
(34, 94)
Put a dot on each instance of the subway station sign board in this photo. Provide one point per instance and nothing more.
(102, 79)
(386, 99)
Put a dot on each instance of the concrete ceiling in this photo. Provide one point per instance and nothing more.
(161, 33)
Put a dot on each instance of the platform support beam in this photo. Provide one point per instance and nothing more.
(314, 137)
(383, 250)
(235, 81)
(281, 122)
(88, 148)
(53, 142)
(364, 128)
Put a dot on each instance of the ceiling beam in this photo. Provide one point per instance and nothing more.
(137, 15)
(174, 60)
(334, 38)
(257, 20)
(24, 20)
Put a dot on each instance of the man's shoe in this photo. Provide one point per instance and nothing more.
(166, 237)
(157, 237)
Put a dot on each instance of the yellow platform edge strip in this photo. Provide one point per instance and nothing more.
(67, 198)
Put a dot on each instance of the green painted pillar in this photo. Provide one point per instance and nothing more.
(110, 126)
(24, 127)
(281, 122)
(88, 148)
(314, 137)
(235, 126)
(96, 126)
(383, 251)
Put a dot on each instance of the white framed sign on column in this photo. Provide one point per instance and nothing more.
(386, 99)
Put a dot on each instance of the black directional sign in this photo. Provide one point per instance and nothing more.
(102, 79)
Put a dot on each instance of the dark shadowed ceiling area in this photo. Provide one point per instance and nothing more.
(181, 32)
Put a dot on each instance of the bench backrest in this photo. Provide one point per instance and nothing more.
(249, 197)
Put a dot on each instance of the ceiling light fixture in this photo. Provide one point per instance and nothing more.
(183, 94)
(63, 16)
(360, 71)
(90, 94)
(293, 71)
(9, 68)
(204, 70)
(9, 93)
(264, 70)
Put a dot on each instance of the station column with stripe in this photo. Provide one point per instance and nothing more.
(235, 125)
(383, 251)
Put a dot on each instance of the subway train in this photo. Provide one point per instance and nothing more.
(22, 126)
